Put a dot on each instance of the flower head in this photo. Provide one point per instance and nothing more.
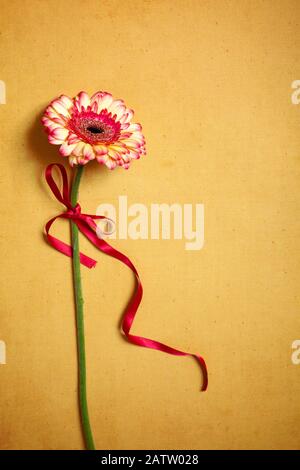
(98, 128)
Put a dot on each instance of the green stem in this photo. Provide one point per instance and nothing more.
(85, 422)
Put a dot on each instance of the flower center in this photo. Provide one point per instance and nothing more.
(95, 128)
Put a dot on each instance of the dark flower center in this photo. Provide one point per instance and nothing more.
(95, 130)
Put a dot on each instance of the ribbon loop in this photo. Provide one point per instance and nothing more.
(87, 225)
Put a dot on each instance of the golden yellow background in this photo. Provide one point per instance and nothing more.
(211, 83)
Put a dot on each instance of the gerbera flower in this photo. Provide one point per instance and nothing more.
(98, 128)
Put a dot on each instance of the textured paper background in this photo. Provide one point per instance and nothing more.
(211, 83)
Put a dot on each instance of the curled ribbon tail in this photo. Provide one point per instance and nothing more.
(87, 225)
(133, 306)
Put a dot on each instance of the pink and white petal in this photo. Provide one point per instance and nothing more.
(124, 126)
(113, 154)
(78, 149)
(48, 111)
(66, 101)
(73, 160)
(137, 135)
(137, 138)
(125, 157)
(105, 160)
(123, 119)
(60, 133)
(54, 141)
(101, 158)
(100, 149)
(135, 154)
(73, 138)
(94, 107)
(66, 149)
(129, 115)
(124, 165)
(49, 124)
(125, 135)
(110, 163)
(61, 120)
(82, 160)
(131, 143)
(88, 152)
(119, 111)
(60, 108)
(134, 127)
(52, 114)
(114, 105)
(119, 147)
(82, 100)
(102, 99)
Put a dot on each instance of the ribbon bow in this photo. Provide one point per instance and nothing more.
(87, 225)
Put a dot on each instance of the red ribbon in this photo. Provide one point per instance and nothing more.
(86, 224)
